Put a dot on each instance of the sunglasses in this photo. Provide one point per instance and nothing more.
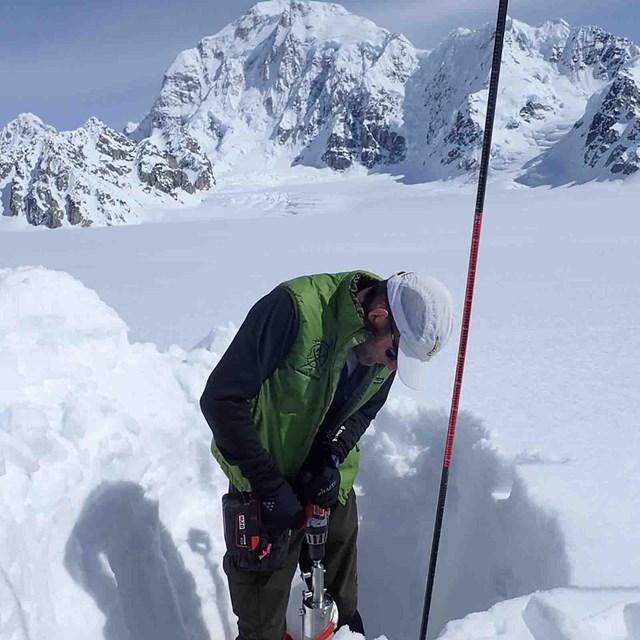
(392, 352)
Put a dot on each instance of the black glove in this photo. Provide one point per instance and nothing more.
(281, 509)
(322, 486)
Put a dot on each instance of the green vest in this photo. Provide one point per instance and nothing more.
(293, 401)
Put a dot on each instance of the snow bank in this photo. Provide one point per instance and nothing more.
(105, 470)
(561, 614)
(109, 499)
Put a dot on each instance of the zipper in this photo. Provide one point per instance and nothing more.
(359, 337)
(348, 410)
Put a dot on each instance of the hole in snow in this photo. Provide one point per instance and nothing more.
(496, 543)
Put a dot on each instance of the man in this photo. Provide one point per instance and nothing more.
(307, 372)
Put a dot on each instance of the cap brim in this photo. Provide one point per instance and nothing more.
(412, 371)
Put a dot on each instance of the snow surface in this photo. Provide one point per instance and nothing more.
(104, 462)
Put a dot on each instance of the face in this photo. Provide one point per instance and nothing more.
(382, 348)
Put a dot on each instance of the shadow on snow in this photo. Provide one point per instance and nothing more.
(123, 556)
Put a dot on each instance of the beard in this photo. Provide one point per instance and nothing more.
(363, 354)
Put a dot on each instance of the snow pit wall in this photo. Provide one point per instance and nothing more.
(496, 543)
(105, 469)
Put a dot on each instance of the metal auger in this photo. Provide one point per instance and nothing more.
(319, 612)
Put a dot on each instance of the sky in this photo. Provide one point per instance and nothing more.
(70, 60)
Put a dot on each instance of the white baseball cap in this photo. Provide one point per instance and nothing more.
(422, 310)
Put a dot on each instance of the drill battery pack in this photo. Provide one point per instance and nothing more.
(250, 547)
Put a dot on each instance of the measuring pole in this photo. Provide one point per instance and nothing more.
(466, 316)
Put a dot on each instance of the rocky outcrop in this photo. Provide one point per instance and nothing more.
(92, 174)
(613, 136)
(596, 52)
(603, 144)
(171, 161)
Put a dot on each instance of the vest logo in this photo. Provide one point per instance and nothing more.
(317, 357)
(378, 380)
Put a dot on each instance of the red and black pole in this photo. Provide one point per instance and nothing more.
(466, 316)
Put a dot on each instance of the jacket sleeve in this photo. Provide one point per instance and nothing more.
(259, 347)
(353, 428)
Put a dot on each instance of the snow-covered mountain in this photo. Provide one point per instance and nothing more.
(605, 142)
(313, 84)
(548, 75)
(307, 79)
(93, 174)
(297, 82)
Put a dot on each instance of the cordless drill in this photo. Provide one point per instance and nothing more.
(319, 612)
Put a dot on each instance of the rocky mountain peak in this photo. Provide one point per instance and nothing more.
(23, 129)
(599, 53)
(547, 40)
(287, 12)
(555, 23)
(94, 125)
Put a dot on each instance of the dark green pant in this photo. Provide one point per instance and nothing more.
(260, 599)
